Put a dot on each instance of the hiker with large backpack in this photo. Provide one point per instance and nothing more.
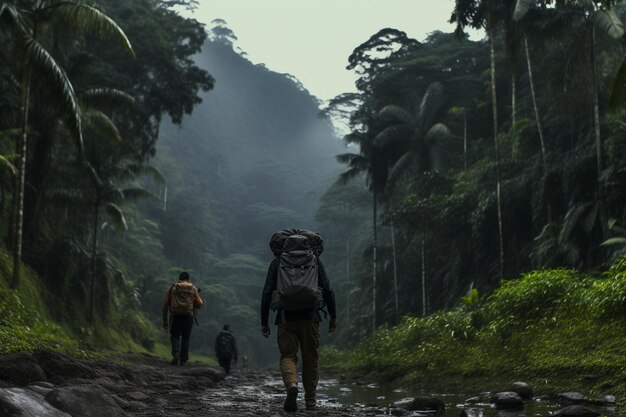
(226, 348)
(297, 288)
(180, 302)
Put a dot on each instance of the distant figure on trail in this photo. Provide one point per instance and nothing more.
(226, 348)
(180, 301)
(297, 288)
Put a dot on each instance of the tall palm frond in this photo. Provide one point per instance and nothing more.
(394, 137)
(106, 98)
(397, 114)
(116, 215)
(609, 22)
(431, 104)
(134, 170)
(102, 124)
(43, 66)
(357, 164)
(522, 7)
(85, 19)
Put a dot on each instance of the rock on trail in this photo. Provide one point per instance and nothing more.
(49, 384)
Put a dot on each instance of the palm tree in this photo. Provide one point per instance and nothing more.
(486, 14)
(25, 21)
(417, 140)
(595, 17)
(521, 9)
(372, 161)
(108, 194)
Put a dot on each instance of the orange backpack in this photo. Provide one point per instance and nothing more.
(181, 299)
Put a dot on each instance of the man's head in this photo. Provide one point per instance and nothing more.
(184, 276)
(226, 327)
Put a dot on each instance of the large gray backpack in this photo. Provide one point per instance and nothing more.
(297, 278)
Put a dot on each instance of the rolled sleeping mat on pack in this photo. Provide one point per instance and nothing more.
(277, 241)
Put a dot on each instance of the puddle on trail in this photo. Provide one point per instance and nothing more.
(332, 391)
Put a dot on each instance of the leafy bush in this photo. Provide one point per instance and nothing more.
(558, 322)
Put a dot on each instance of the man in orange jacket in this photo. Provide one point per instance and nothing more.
(180, 301)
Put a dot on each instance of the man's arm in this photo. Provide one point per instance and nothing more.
(327, 292)
(166, 306)
(197, 301)
(329, 297)
(268, 289)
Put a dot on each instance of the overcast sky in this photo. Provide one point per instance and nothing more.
(312, 39)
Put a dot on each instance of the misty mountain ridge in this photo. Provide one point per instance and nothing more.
(255, 147)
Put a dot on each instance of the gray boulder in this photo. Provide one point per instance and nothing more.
(576, 411)
(57, 364)
(21, 369)
(604, 401)
(19, 402)
(85, 401)
(571, 398)
(507, 400)
(608, 400)
(523, 389)
(420, 404)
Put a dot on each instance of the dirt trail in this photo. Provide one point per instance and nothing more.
(249, 393)
(49, 384)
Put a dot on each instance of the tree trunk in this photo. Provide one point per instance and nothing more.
(596, 107)
(18, 196)
(375, 243)
(348, 278)
(395, 272)
(494, 101)
(94, 252)
(423, 278)
(513, 100)
(465, 138)
(535, 107)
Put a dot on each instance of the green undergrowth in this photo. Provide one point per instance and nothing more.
(30, 319)
(558, 329)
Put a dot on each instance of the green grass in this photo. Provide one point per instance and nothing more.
(26, 324)
(558, 329)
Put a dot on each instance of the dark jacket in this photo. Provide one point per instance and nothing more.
(225, 349)
(314, 315)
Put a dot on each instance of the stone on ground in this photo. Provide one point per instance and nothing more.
(421, 404)
(576, 411)
(20, 402)
(507, 400)
(523, 389)
(85, 401)
(21, 369)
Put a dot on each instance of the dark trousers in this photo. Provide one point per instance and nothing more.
(180, 332)
(225, 362)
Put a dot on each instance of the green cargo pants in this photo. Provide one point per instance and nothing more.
(304, 335)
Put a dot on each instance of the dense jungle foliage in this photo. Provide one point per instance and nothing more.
(135, 143)
(483, 159)
(113, 211)
(84, 90)
(558, 329)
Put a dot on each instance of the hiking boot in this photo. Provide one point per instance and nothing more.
(310, 405)
(291, 403)
(174, 360)
(183, 363)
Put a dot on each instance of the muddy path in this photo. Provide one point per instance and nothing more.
(50, 384)
(249, 392)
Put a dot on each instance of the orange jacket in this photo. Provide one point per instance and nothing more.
(197, 301)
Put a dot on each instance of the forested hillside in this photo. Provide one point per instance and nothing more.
(483, 159)
(136, 143)
(138, 164)
(253, 158)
